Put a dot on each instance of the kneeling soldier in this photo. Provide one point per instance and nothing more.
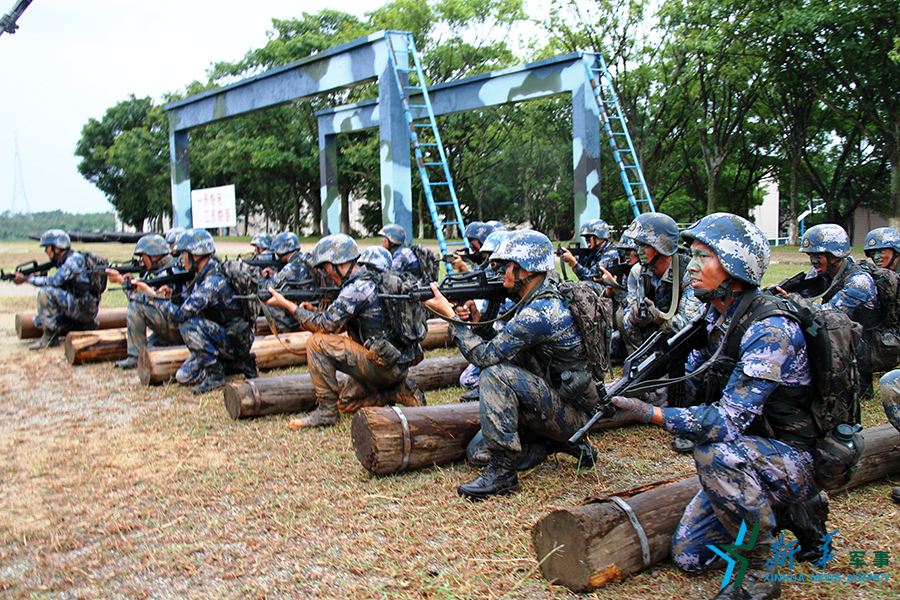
(535, 378)
(376, 366)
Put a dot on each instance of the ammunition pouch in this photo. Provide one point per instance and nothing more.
(380, 351)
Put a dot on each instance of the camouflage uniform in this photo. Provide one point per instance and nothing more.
(404, 260)
(604, 256)
(60, 308)
(142, 314)
(296, 269)
(204, 319)
(659, 290)
(890, 397)
(881, 239)
(743, 476)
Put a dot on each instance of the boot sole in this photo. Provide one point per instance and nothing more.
(475, 497)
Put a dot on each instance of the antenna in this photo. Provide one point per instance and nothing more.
(19, 184)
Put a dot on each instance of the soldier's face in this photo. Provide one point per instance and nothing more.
(706, 271)
(819, 262)
(385, 243)
(883, 257)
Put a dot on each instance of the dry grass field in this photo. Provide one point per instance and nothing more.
(115, 490)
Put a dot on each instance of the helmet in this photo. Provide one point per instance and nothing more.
(741, 246)
(495, 225)
(263, 239)
(284, 243)
(477, 230)
(336, 249)
(828, 238)
(198, 242)
(655, 229)
(597, 228)
(172, 234)
(394, 233)
(492, 241)
(376, 257)
(531, 249)
(627, 242)
(151, 244)
(883, 237)
(56, 238)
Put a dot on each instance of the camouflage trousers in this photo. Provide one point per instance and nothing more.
(58, 310)
(326, 354)
(284, 321)
(890, 397)
(742, 480)
(513, 398)
(209, 343)
(139, 317)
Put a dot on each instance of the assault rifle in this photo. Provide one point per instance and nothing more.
(575, 248)
(264, 263)
(651, 366)
(302, 290)
(131, 267)
(469, 257)
(176, 280)
(799, 284)
(29, 268)
(460, 287)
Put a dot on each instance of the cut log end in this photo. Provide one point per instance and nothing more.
(233, 400)
(363, 441)
(558, 545)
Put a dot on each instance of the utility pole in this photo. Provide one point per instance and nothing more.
(8, 21)
(19, 184)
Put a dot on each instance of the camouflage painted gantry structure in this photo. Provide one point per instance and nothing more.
(367, 60)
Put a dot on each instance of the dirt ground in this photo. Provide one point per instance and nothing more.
(115, 490)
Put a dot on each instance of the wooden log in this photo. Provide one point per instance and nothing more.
(384, 444)
(396, 439)
(585, 547)
(109, 318)
(295, 393)
(158, 365)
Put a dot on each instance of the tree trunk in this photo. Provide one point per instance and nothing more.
(158, 365)
(111, 344)
(295, 393)
(384, 443)
(109, 318)
(585, 547)
(793, 226)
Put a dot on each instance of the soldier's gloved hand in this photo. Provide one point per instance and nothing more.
(652, 313)
(656, 398)
(631, 409)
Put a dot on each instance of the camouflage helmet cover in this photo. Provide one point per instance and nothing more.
(657, 230)
(263, 239)
(336, 249)
(172, 234)
(56, 238)
(532, 250)
(828, 238)
(595, 227)
(627, 242)
(741, 246)
(151, 244)
(394, 233)
(198, 242)
(376, 257)
(495, 225)
(492, 241)
(883, 237)
(285, 243)
(477, 230)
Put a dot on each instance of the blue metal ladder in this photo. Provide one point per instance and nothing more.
(430, 157)
(616, 127)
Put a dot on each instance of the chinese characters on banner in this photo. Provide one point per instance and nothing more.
(213, 207)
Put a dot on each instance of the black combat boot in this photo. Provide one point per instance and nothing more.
(472, 395)
(325, 415)
(759, 582)
(49, 339)
(127, 363)
(499, 478)
(806, 520)
(215, 378)
(582, 451)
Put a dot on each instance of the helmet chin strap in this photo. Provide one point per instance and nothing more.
(346, 276)
(722, 291)
(518, 284)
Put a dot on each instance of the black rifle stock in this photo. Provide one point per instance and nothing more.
(651, 362)
(799, 284)
(302, 290)
(469, 257)
(264, 263)
(126, 268)
(176, 280)
(29, 268)
(459, 287)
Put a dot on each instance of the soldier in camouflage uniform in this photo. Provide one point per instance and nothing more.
(890, 399)
(656, 238)
(286, 248)
(883, 248)
(376, 258)
(852, 290)
(604, 255)
(210, 318)
(153, 251)
(172, 237)
(404, 260)
(376, 367)
(535, 380)
(476, 234)
(64, 302)
(754, 444)
(263, 245)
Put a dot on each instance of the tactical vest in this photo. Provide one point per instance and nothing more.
(231, 319)
(867, 317)
(786, 413)
(361, 328)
